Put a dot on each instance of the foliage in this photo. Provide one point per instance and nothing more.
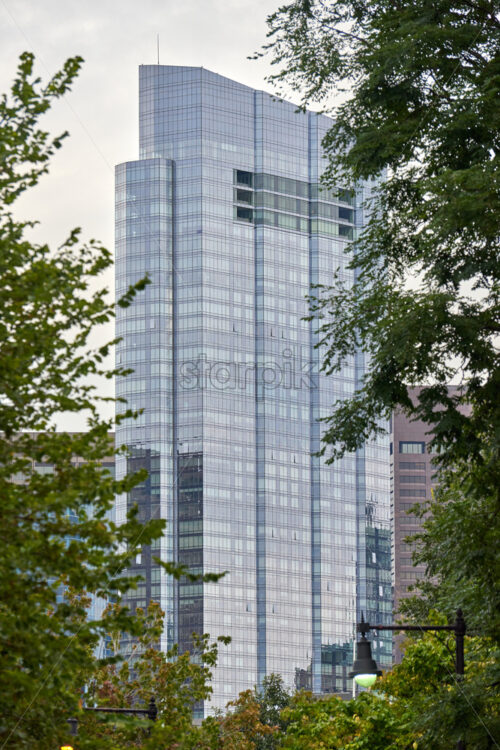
(251, 722)
(242, 727)
(400, 712)
(421, 116)
(436, 709)
(366, 723)
(177, 682)
(56, 535)
(459, 546)
(272, 697)
(58, 543)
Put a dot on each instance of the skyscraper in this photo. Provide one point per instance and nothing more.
(225, 212)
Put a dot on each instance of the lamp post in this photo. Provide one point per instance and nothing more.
(364, 669)
(151, 712)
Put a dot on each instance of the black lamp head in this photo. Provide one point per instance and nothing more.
(364, 667)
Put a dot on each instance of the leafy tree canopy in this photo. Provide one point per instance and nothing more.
(58, 544)
(400, 712)
(459, 546)
(177, 682)
(421, 117)
(366, 723)
(272, 697)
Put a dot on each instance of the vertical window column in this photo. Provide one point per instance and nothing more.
(315, 437)
(260, 509)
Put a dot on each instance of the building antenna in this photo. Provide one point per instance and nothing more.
(158, 47)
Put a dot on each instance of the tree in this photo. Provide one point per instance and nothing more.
(421, 118)
(434, 708)
(177, 682)
(58, 544)
(459, 546)
(272, 697)
(367, 723)
(400, 712)
(423, 104)
(242, 727)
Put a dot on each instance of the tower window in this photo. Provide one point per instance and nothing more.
(244, 214)
(411, 446)
(244, 196)
(244, 178)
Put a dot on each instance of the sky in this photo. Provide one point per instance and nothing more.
(101, 112)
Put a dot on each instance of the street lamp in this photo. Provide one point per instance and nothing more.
(364, 669)
(151, 712)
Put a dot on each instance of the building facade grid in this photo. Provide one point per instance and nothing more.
(225, 212)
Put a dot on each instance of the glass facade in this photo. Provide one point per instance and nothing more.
(225, 212)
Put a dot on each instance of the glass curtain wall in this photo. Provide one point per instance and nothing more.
(230, 383)
(144, 244)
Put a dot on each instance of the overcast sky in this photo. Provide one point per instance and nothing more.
(114, 38)
(100, 113)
